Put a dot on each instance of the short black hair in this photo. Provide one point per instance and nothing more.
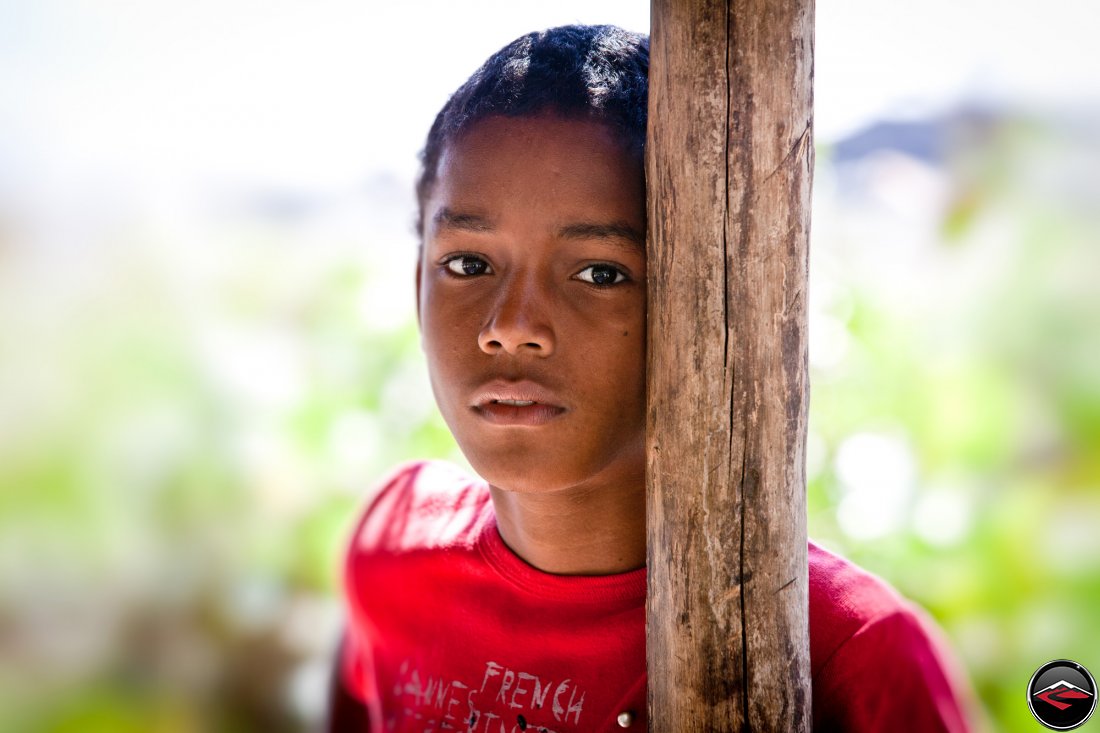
(595, 72)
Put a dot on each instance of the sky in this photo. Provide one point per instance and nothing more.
(230, 95)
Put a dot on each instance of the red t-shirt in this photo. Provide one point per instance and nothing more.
(449, 630)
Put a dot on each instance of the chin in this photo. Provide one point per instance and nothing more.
(526, 472)
(522, 479)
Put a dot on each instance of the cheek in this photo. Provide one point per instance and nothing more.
(448, 328)
(636, 363)
(622, 324)
(615, 352)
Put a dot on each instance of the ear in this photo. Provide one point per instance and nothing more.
(419, 268)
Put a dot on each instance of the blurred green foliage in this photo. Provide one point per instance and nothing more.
(186, 437)
(981, 361)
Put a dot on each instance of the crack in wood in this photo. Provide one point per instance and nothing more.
(795, 152)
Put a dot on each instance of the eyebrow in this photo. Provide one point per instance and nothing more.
(449, 219)
(611, 232)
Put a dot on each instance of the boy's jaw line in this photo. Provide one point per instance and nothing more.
(538, 405)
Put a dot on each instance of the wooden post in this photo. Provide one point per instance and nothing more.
(729, 167)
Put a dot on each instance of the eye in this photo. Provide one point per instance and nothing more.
(467, 266)
(601, 275)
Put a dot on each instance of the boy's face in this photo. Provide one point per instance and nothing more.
(531, 288)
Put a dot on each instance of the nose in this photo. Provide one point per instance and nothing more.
(519, 321)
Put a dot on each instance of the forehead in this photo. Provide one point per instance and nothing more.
(545, 167)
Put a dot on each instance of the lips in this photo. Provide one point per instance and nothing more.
(517, 403)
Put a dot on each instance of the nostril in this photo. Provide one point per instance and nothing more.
(514, 334)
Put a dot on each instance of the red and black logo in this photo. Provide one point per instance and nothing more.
(1061, 694)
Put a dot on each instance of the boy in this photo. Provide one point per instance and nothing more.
(515, 600)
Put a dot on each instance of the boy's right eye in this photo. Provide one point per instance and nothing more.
(467, 265)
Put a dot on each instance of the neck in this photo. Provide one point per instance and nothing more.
(596, 530)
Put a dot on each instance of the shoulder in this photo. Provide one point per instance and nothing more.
(843, 599)
(878, 661)
(421, 505)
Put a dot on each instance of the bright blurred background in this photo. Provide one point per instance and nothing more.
(208, 349)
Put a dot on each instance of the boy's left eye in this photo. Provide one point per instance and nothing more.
(601, 275)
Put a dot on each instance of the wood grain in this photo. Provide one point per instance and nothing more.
(729, 166)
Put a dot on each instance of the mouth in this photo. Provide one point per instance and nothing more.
(517, 403)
